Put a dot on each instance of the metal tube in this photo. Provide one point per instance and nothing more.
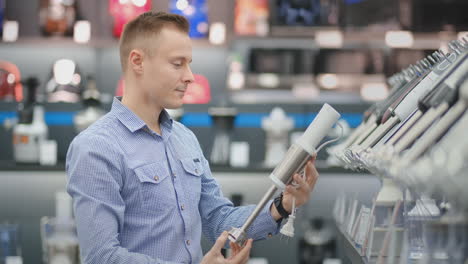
(239, 235)
(268, 195)
(293, 162)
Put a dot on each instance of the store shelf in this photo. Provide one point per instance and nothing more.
(256, 96)
(9, 165)
(60, 41)
(350, 250)
(351, 39)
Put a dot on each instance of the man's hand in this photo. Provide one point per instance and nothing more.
(239, 255)
(302, 190)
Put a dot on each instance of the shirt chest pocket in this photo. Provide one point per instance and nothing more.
(155, 186)
(193, 171)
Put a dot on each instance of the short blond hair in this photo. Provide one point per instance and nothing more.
(147, 25)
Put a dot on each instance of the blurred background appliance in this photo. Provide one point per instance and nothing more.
(277, 127)
(303, 17)
(57, 17)
(318, 242)
(10, 246)
(65, 83)
(436, 15)
(279, 68)
(31, 130)
(223, 120)
(251, 17)
(58, 234)
(91, 99)
(2, 15)
(123, 11)
(196, 11)
(199, 91)
(11, 88)
(352, 71)
(370, 15)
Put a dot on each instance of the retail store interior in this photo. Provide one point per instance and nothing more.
(391, 169)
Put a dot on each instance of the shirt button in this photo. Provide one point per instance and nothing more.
(182, 207)
(196, 170)
(188, 242)
(156, 178)
(174, 175)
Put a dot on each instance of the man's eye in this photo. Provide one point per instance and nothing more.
(177, 64)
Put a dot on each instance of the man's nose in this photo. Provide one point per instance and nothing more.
(188, 76)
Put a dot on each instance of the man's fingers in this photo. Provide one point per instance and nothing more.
(313, 158)
(302, 183)
(311, 173)
(292, 190)
(220, 242)
(235, 248)
(243, 255)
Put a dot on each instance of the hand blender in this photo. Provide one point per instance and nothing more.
(428, 103)
(441, 127)
(429, 106)
(441, 101)
(293, 162)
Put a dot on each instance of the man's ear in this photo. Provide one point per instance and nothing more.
(136, 61)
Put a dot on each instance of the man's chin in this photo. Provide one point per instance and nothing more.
(175, 105)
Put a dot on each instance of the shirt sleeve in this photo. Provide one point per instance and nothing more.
(218, 213)
(93, 167)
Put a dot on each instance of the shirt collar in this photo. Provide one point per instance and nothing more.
(132, 121)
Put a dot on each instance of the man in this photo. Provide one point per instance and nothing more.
(142, 189)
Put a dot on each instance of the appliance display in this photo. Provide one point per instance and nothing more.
(125, 10)
(415, 141)
(196, 11)
(57, 17)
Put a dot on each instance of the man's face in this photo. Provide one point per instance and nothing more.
(167, 73)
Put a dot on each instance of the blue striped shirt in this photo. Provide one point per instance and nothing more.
(141, 197)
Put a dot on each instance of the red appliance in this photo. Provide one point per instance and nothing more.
(125, 10)
(10, 82)
(198, 92)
